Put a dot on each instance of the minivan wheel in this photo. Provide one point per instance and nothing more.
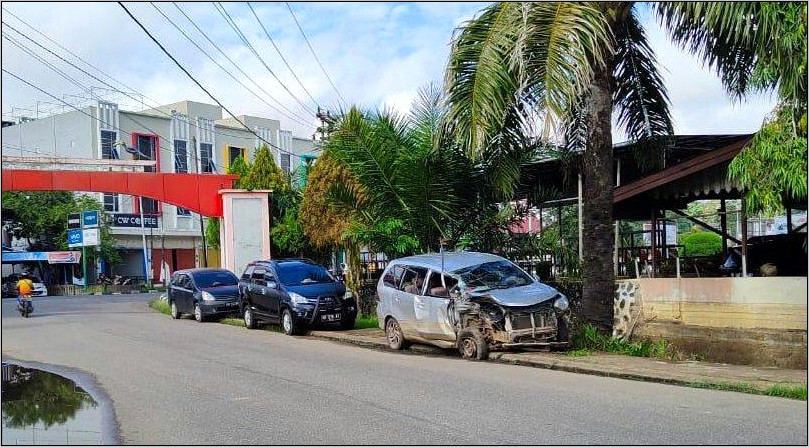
(174, 312)
(249, 319)
(288, 323)
(396, 340)
(198, 314)
(472, 345)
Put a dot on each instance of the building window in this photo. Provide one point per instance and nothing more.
(180, 156)
(206, 157)
(108, 151)
(233, 153)
(111, 204)
(181, 166)
(146, 146)
(285, 162)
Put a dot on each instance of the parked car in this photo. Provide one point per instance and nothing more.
(297, 293)
(39, 287)
(204, 292)
(10, 286)
(475, 302)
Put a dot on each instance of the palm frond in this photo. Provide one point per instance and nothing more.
(639, 95)
(516, 59)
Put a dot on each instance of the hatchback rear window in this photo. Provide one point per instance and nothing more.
(216, 278)
(299, 273)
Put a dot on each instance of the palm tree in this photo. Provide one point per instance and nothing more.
(572, 68)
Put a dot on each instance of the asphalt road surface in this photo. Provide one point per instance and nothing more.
(181, 382)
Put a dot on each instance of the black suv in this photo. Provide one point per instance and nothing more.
(297, 293)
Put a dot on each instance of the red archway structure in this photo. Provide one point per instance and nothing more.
(196, 192)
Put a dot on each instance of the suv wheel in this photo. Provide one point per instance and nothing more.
(288, 323)
(472, 345)
(396, 340)
(249, 318)
(174, 312)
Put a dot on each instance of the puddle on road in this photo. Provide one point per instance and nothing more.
(40, 408)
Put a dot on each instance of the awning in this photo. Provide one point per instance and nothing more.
(52, 257)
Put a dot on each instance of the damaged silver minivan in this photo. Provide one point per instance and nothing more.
(475, 302)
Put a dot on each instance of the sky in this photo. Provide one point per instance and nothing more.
(377, 54)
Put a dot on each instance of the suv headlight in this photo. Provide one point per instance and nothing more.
(561, 304)
(298, 299)
(348, 294)
(206, 296)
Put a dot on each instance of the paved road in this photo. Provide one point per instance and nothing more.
(180, 382)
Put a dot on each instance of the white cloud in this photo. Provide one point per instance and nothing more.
(378, 54)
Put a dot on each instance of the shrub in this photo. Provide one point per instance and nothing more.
(701, 243)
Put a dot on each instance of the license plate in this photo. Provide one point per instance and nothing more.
(330, 317)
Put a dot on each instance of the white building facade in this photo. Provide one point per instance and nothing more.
(184, 137)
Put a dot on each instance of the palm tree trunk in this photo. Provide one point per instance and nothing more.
(597, 269)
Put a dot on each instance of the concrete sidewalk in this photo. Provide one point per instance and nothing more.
(691, 373)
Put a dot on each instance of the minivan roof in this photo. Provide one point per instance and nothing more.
(453, 260)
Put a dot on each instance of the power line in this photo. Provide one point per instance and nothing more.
(252, 49)
(223, 53)
(266, 33)
(112, 87)
(83, 87)
(296, 119)
(315, 54)
(194, 79)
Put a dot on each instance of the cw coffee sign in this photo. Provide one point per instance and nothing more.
(133, 220)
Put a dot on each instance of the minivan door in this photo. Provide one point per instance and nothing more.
(436, 324)
(409, 295)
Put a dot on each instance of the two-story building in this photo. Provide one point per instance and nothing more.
(186, 136)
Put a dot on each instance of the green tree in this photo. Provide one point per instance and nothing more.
(241, 168)
(573, 67)
(40, 217)
(264, 173)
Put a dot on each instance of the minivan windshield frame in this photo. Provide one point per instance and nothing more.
(214, 278)
(493, 275)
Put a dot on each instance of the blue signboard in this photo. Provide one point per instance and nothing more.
(24, 256)
(89, 219)
(75, 238)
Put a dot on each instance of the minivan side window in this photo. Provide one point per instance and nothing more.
(182, 281)
(392, 276)
(438, 286)
(413, 280)
(247, 272)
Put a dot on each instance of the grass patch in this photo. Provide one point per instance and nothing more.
(366, 322)
(578, 353)
(791, 392)
(232, 322)
(160, 306)
(588, 338)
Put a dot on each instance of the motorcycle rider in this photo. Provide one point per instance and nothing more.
(24, 287)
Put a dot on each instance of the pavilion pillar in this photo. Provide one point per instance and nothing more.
(723, 220)
(653, 240)
(581, 222)
(744, 236)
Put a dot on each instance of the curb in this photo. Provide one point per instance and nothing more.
(501, 358)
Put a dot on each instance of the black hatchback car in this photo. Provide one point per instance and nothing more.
(297, 293)
(204, 292)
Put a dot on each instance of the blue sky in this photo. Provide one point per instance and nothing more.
(378, 55)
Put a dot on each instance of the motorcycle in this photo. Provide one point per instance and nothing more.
(25, 305)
